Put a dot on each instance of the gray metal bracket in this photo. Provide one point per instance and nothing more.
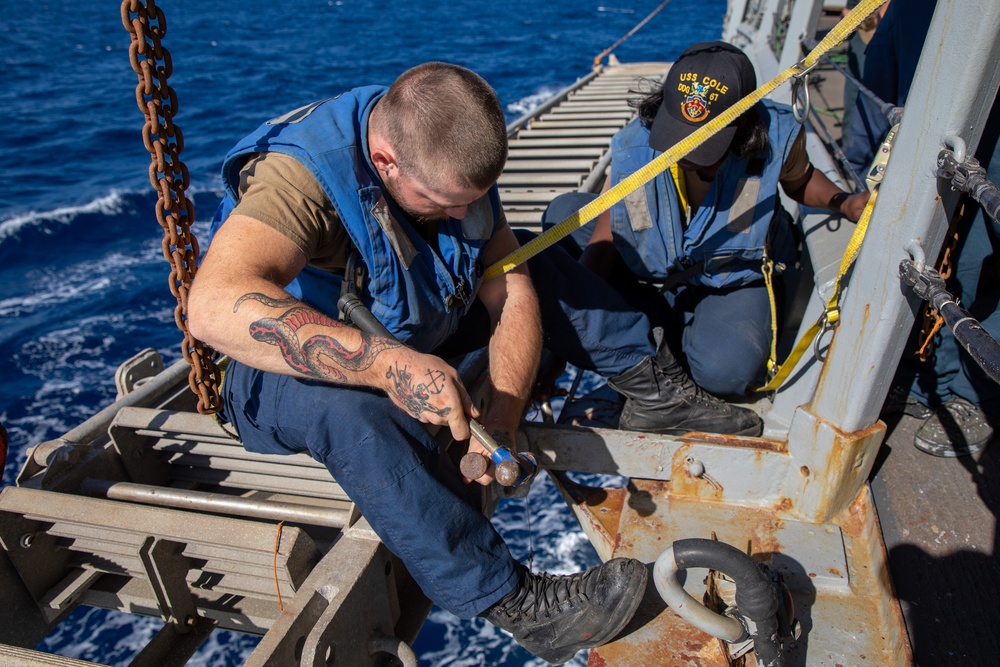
(348, 595)
(166, 568)
(137, 371)
(34, 555)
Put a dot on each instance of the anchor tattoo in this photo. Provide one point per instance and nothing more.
(416, 398)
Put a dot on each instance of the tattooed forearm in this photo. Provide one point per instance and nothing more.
(415, 398)
(320, 356)
(266, 300)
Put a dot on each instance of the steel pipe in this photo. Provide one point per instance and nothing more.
(147, 395)
(218, 503)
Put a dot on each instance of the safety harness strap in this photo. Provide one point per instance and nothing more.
(831, 315)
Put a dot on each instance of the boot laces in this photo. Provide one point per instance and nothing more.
(540, 594)
(676, 376)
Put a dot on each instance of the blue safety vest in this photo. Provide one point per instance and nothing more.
(418, 292)
(728, 233)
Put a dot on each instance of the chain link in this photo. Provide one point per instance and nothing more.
(931, 320)
(169, 177)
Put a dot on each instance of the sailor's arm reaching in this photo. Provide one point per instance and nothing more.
(814, 189)
(516, 340)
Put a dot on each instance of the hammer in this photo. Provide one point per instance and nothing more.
(512, 469)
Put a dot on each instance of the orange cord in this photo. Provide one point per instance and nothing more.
(277, 541)
(926, 349)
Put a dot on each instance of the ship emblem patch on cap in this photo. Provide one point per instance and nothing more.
(695, 107)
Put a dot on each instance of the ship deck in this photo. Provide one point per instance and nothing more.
(937, 515)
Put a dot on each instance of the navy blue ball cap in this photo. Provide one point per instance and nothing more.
(704, 81)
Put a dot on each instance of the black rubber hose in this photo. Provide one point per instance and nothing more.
(361, 317)
(972, 337)
(755, 596)
(928, 285)
(984, 192)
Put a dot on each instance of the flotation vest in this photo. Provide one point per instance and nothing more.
(418, 292)
(727, 234)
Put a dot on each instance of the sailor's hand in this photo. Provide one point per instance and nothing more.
(429, 389)
(487, 478)
(854, 205)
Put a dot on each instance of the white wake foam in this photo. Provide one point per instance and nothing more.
(110, 204)
(615, 10)
(526, 104)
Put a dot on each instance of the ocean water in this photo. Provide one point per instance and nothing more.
(83, 284)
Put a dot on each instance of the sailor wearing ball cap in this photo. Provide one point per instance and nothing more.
(704, 228)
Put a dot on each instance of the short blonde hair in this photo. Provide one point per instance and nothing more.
(444, 122)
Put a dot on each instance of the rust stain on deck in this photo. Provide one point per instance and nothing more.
(697, 438)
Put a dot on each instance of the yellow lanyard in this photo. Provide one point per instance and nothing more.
(682, 192)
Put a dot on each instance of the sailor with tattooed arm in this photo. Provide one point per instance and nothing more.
(400, 181)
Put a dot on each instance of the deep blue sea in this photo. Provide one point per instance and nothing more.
(83, 283)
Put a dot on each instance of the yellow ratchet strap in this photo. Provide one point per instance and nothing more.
(574, 221)
(680, 184)
(831, 315)
(767, 268)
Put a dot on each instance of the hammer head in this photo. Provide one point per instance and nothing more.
(515, 469)
(473, 465)
(510, 469)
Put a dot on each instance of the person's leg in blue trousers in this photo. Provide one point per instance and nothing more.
(855, 64)
(726, 337)
(589, 324)
(726, 333)
(975, 281)
(404, 484)
(626, 293)
(585, 321)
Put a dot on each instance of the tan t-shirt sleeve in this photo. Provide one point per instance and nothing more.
(503, 219)
(279, 191)
(797, 165)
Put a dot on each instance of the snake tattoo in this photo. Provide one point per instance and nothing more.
(320, 356)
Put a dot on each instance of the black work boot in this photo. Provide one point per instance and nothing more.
(555, 616)
(662, 398)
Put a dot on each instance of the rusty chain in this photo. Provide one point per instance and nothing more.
(931, 320)
(169, 177)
